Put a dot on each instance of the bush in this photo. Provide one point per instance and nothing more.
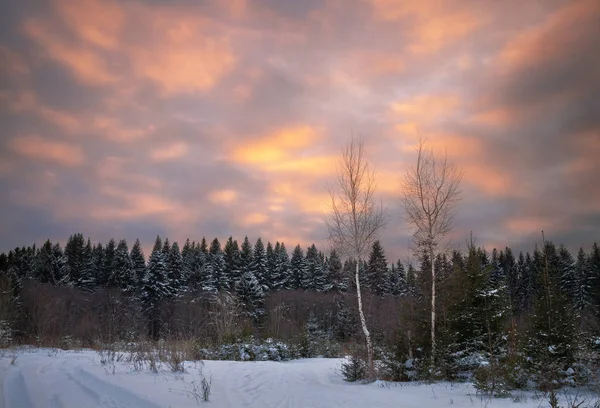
(492, 381)
(249, 350)
(354, 369)
(5, 334)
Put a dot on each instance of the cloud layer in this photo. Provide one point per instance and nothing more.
(190, 119)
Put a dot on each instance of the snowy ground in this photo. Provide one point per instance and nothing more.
(41, 378)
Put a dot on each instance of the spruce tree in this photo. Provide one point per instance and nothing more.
(89, 271)
(251, 295)
(216, 261)
(245, 255)
(233, 262)
(156, 288)
(337, 279)
(377, 271)
(397, 280)
(43, 266)
(109, 255)
(281, 272)
(297, 268)
(550, 341)
(258, 265)
(187, 256)
(314, 277)
(583, 298)
(138, 261)
(74, 260)
(122, 275)
(175, 270)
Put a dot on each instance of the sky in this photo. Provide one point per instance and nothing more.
(183, 118)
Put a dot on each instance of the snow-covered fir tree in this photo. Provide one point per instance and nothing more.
(122, 275)
(138, 261)
(297, 268)
(377, 277)
(258, 265)
(233, 262)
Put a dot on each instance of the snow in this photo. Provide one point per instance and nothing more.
(40, 378)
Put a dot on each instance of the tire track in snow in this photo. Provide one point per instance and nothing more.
(16, 394)
(106, 394)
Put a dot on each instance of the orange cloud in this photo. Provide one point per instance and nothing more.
(528, 224)
(539, 43)
(37, 147)
(426, 107)
(13, 63)
(113, 168)
(223, 196)
(170, 46)
(98, 22)
(131, 205)
(175, 151)
(253, 219)
(435, 24)
(87, 65)
(113, 129)
(27, 101)
(276, 147)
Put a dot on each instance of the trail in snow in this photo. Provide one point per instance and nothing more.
(43, 378)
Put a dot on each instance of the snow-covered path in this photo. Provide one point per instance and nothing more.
(42, 378)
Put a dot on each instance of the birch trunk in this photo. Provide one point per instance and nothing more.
(432, 305)
(363, 322)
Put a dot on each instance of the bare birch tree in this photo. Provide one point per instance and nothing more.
(356, 219)
(430, 192)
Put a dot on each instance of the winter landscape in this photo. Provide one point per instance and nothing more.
(286, 203)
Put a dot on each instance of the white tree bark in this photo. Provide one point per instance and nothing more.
(355, 220)
(430, 193)
(363, 323)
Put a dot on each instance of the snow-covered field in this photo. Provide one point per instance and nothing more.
(43, 378)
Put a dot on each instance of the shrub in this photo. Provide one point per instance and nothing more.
(5, 334)
(354, 369)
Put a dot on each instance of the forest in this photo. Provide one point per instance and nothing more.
(504, 319)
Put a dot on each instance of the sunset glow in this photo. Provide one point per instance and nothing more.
(218, 118)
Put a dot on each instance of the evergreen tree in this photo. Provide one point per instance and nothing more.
(397, 280)
(594, 265)
(138, 261)
(271, 265)
(175, 268)
(232, 262)
(478, 317)
(297, 269)
(251, 295)
(281, 272)
(74, 265)
(582, 289)
(314, 271)
(57, 262)
(566, 267)
(550, 340)
(122, 275)
(97, 262)
(337, 279)
(43, 266)
(377, 278)
(246, 256)
(106, 271)
(258, 265)
(89, 271)
(216, 261)
(526, 288)
(156, 288)
(511, 274)
(187, 257)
